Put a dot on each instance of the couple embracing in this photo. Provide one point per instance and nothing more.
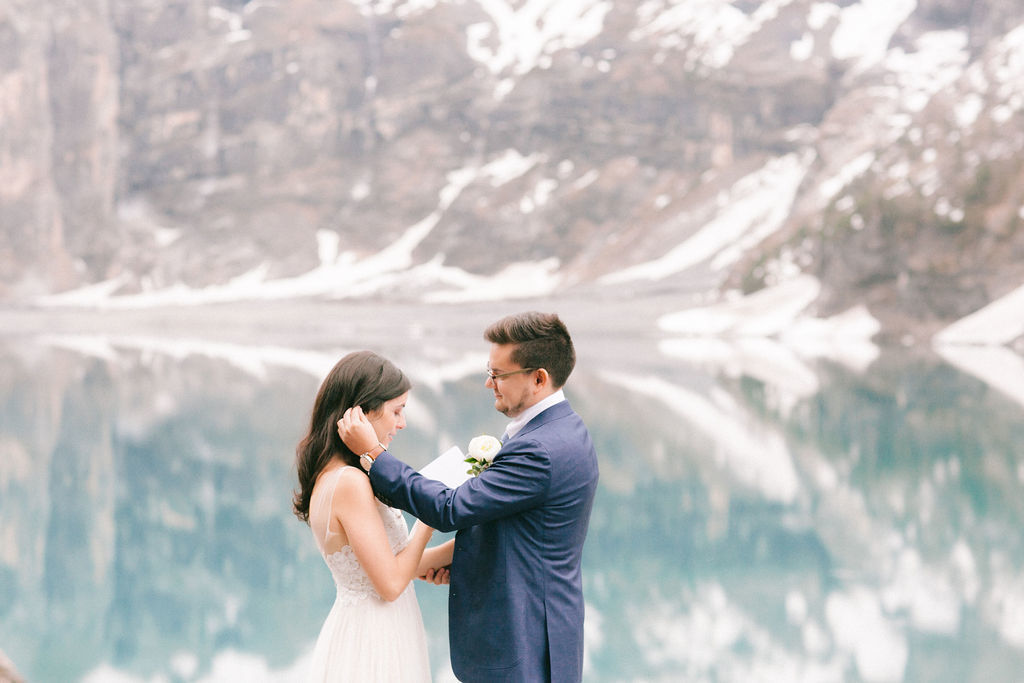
(515, 601)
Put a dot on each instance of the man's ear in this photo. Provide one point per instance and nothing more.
(542, 376)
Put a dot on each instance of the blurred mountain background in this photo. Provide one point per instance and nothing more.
(455, 150)
(224, 192)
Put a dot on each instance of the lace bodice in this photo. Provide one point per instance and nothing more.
(350, 578)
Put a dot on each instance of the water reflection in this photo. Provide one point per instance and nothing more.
(755, 522)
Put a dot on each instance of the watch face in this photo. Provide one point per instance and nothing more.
(366, 461)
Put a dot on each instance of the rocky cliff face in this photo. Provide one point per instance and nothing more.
(58, 146)
(618, 147)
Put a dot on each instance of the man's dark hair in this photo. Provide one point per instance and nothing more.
(541, 341)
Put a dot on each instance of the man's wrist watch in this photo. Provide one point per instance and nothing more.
(366, 460)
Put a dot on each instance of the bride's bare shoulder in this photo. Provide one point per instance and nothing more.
(345, 479)
(354, 482)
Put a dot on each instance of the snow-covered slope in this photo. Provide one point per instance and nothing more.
(450, 151)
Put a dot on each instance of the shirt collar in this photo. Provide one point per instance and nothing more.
(533, 411)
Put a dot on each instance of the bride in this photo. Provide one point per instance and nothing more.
(374, 631)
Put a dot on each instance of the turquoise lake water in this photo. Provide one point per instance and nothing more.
(814, 523)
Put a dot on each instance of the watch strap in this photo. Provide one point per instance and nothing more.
(366, 460)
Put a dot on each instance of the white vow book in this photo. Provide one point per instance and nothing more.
(450, 468)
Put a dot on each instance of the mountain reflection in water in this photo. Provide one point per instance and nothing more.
(827, 524)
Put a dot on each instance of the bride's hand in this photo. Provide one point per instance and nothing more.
(356, 431)
(437, 576)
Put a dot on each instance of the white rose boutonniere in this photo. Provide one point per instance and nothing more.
(482, 450)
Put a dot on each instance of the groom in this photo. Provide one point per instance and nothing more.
(515, 603)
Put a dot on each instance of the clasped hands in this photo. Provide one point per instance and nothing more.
(439, 576)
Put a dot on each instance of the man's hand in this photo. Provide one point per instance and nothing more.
(356, 431)
(438, 576)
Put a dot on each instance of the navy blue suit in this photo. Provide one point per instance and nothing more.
(515, 603)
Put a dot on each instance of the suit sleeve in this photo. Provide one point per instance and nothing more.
(515, 481)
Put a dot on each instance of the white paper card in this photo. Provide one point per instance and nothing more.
(449, 468)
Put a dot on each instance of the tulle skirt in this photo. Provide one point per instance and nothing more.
(372, 640)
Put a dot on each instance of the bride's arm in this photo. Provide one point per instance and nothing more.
(436, 557)
(355, 508)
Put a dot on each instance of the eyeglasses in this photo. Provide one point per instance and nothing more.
(495, 377)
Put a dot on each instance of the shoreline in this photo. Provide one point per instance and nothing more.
(317, 322)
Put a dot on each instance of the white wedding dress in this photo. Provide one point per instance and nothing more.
(364, 637)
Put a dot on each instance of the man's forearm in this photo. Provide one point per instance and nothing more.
(408, 490)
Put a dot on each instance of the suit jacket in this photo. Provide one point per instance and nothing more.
(515, 603)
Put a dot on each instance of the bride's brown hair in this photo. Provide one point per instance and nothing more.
(361, 378)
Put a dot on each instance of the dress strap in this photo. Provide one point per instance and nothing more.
(321, 507)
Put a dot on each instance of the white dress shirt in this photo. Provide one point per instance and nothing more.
(533, 411)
